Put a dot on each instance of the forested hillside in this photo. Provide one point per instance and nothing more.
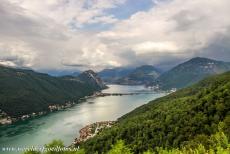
(187, 118)
(25, 91)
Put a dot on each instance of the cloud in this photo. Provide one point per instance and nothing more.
(53, 34)
(180, 29)
(104, 19)
(78, 12)
(148, 47)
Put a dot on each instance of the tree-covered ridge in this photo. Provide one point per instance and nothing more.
(25, 91)
(218, 144)
(185, 118)
(190, 72)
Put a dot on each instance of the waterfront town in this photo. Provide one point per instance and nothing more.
(91, 130)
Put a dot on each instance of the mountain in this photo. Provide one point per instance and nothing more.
(141, 75)
(188, 118)
(111, 75)
(191, 72)
(25, 91)
(91, 78)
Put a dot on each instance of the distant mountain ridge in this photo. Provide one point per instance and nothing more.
(111, 75)
(178, 77)
(191, 72)
(25, 91)
(141, 75)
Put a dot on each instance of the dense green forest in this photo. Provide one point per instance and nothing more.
(25, 91)
(218, 144)
(186, 118)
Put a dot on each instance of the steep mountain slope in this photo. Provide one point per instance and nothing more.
(191, 72)
(91, 78)
(184, 118)
(25, 91)
(111, 75)
(141, 75)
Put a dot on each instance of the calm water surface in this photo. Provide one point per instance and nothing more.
(65, 124)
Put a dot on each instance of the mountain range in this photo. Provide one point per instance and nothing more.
(190, 72)
(130, 76)
(113, 74)
(141, 75)
(25, 92)
(177, 77)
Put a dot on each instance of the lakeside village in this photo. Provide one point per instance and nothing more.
(91, 130)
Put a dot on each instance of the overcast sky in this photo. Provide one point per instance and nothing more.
(96, 34)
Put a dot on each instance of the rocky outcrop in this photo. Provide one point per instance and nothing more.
(92, 79)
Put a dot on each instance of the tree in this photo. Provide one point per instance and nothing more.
(119, 148)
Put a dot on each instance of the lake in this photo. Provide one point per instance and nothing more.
(65, 124)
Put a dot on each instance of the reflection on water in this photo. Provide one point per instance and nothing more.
(66, 124)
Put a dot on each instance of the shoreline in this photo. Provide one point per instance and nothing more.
(7, 120)
(99, 94)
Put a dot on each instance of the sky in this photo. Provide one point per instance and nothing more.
(98, 34)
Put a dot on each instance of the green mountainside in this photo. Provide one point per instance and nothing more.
(191, 72)
(25, 91)
(186, 118)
